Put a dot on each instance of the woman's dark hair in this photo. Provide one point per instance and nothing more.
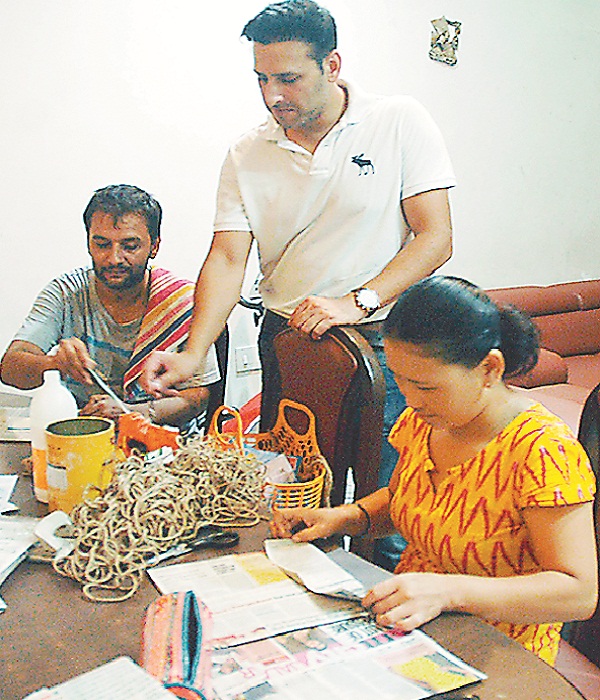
(119, 200)
(295, 20)
(458, 323)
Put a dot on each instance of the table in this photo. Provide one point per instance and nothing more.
(50, 632)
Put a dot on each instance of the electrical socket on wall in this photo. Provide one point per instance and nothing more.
(246, 359)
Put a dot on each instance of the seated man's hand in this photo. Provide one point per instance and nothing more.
(101, 406)
(72, 359)
(315, 314)
(163, 370)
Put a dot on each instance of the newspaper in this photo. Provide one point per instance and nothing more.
(7, 486)
(349, 660)
(119, 679)
(312, 568)
(250, 598)
(273, 638)
(16, 537)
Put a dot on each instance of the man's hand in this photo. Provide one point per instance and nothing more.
(163, 370)
(24, 363)
(72, 359)
(315, 314)
(102, 406)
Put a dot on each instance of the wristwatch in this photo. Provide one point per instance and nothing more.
(367, 300)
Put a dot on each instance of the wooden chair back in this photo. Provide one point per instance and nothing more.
(340, 380)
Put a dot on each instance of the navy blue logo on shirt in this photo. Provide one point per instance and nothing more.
(365, 166)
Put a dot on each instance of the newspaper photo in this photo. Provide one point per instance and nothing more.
(349, 660)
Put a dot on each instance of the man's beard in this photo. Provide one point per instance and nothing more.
(296, 120)
(132, 276)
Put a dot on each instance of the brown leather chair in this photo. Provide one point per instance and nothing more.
(579, 657)
(340, 380)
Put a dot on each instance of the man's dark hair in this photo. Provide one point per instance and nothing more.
(295, 20)
(119, 200)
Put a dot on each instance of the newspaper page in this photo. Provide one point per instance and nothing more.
(119, 679)
(311, 567)
(7, 486)
(349, 660)
(16, 537)
(250, 598)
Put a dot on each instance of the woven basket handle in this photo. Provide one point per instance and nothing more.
(232, 440)
(311, 430)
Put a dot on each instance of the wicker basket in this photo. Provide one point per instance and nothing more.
(314, 486)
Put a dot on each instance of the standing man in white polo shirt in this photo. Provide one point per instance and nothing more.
(344, 192)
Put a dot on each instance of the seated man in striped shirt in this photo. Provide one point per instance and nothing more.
(110, 315)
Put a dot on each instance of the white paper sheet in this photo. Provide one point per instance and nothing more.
(310, 566)
(16, 536)
(46, 531)
(120, 679)
(7, 486)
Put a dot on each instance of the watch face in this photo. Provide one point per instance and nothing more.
(368, 299)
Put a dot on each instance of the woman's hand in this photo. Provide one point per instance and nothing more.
(407, 601)
(316, 523)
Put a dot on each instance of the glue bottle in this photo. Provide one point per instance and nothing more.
(51, 402)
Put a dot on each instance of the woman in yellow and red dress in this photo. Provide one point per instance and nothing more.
(492, 492)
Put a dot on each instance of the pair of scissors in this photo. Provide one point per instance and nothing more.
(207, 536)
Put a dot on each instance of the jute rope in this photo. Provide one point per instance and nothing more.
(148, 508)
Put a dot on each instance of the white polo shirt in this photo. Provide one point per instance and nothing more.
(326, 223)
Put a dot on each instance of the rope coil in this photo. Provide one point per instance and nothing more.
(148, 507)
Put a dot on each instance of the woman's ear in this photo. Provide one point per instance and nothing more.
(493, 367)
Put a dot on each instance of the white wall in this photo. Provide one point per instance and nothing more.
(151, 92)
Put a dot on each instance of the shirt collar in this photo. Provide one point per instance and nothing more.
(359, 103)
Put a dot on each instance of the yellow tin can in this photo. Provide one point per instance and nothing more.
(79, 452)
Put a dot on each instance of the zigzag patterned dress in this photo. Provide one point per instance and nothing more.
(472, 524)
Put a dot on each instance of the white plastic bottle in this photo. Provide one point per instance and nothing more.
(51, 402)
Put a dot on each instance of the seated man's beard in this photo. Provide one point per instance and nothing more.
(128, 275)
